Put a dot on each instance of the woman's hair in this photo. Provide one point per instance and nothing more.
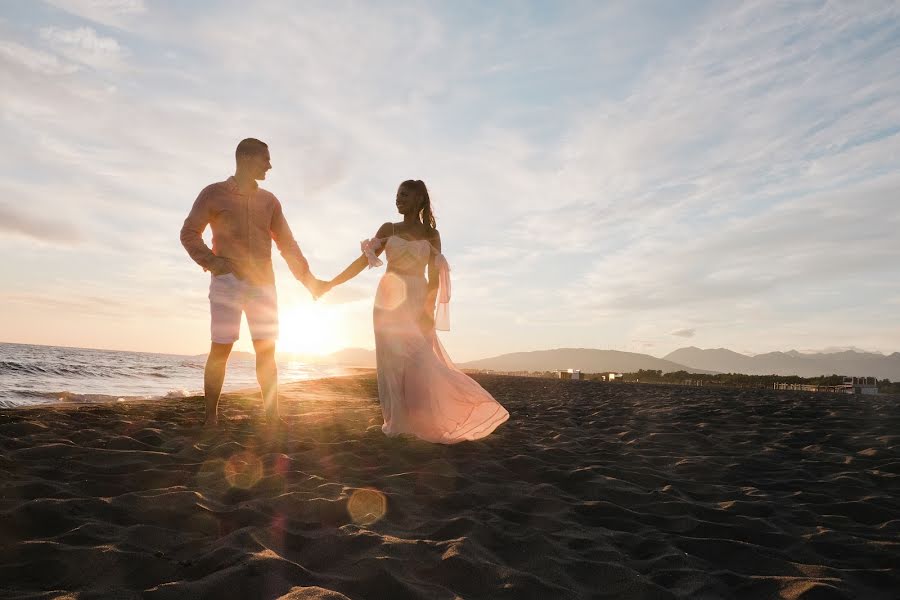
(426, 215)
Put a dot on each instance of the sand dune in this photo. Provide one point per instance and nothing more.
(590, 491)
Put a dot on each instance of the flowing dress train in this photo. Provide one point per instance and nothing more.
(422, 393)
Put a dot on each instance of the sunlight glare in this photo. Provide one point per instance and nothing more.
(314, 328)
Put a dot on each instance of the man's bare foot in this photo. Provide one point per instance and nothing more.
(211, 423)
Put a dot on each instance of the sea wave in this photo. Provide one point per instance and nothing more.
(21, 398)
(85, 371)
(9, 366)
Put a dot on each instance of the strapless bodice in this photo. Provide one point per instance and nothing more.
(407, 255)
(408, 258)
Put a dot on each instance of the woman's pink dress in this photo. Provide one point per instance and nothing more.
(422, 392)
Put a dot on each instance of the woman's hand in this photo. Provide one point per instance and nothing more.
(319, 288)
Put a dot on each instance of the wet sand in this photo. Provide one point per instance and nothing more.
(591, 490)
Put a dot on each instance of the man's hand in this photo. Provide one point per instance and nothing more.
(220, 266)
(318, 288)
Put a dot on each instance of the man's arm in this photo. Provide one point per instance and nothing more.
(287, 245)
(192, 237)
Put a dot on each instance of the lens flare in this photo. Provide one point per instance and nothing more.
(243, 470)
(366, 506)
(391, 292)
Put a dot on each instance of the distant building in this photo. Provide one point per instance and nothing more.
(866, 386)
(569, 374)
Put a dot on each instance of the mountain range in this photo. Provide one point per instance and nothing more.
(588, 360)
(691, 359)
(849, 362)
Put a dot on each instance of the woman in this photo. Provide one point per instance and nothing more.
(422, 393)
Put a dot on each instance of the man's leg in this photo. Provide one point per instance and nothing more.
(267, 375)
(213, 378)
(225, 292)
(262, 319)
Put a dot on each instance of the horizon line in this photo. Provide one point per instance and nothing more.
(854, 350)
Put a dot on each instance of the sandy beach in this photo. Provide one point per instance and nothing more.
(591, 490)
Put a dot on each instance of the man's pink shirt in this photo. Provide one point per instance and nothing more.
(243, 228)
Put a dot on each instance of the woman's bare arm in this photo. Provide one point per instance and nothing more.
(358, 265)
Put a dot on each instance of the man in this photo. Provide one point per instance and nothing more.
(244, 219)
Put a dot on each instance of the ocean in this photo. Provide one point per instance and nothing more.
(32, 375)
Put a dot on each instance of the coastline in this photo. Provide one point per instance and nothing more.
(69, 399)
(34, 375)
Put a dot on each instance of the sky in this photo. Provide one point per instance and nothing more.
(637, 176)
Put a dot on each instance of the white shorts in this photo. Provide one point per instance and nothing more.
(229, 297)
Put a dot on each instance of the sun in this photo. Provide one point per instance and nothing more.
(313, 328)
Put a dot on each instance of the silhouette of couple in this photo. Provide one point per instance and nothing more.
(421, 391)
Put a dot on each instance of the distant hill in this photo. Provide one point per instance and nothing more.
(691, 359)
(588, 360)
(849, 362)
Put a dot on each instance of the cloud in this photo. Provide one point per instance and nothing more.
(116, 305)
(34, 60)
(787, 250)
(83, 45)
(117, 13)
(709, 131)
(83, 305)
(685, 333)
(16, 221)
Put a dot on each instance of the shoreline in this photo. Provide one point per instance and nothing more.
(67, 398)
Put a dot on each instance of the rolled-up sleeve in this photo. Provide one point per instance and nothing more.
(192, 232)
(287, 245)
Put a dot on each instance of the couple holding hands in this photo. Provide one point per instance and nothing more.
(421, 392)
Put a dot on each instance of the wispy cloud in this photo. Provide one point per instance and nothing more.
(107, 12)
(34, 60)
(83, 45)
(88, 305)
(19, 222)
(684, 333)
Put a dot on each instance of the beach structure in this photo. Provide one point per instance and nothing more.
(866, 386)
(568, 373)
(805, 387)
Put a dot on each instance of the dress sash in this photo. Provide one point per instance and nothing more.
(369, 248)
(442, 307)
